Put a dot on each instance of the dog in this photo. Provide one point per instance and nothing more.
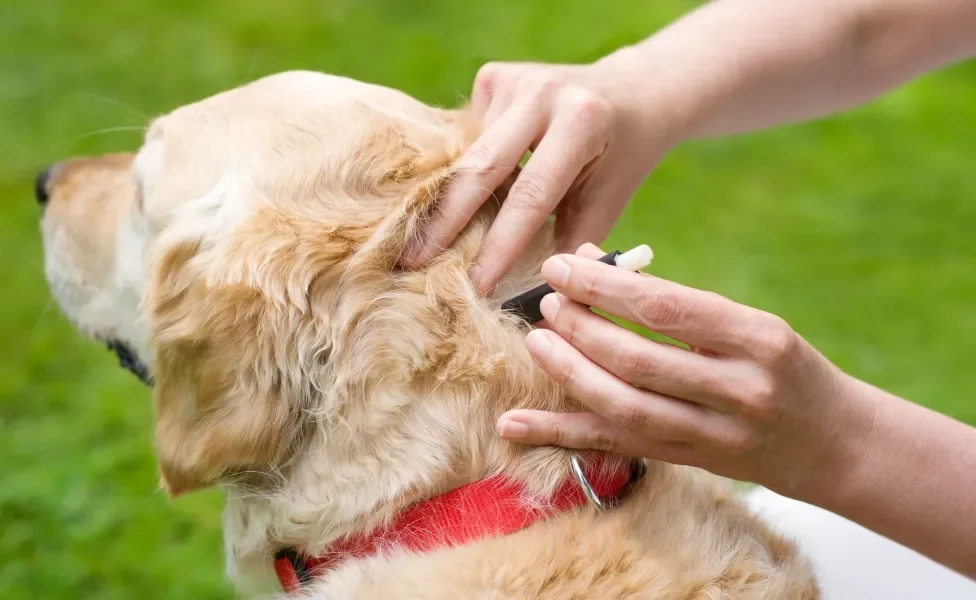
(244, 262)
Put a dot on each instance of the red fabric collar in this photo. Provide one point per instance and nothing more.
(490, 507)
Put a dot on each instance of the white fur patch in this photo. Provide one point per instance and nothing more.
(103, 311)
(148, 165)
(218, 211)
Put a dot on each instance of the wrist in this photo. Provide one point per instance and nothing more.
(850, 447)
(652, 105)
(855, 454)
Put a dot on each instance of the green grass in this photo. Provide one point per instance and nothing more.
(857, 230)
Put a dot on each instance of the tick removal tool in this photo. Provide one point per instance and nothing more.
(527, 305)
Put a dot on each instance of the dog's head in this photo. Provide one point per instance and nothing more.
(247, 256)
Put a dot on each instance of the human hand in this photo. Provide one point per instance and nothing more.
(590, 151)
(751, 400)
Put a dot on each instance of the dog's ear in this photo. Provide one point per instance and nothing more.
(222, 404)
(420, 180)
(232, 386)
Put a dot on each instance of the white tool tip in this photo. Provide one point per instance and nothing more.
(635, 259)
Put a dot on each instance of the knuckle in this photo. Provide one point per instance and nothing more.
(489, 76)
(633, 366)
(629, 415)
(480, 161)
(778, 341)
(658, 307)
(758, 400)
(494, 248)
(592, 110)
(529, 191)
(602, 440)
(569, 326)
(561, 436)
(739, 441)
(761, 411)
(487, 73)
(587, 287)
(763, 391)
(566, 373)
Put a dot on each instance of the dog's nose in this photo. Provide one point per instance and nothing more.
(41, 191)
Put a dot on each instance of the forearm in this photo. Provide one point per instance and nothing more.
(735, 66)
(912, 478)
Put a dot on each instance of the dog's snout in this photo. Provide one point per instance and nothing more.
(41, 189)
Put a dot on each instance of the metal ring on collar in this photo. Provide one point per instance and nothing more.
(576, 466)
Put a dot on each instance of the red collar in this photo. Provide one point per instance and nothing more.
(479, 510)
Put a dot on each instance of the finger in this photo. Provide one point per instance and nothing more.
(569, 430)
(663, 368)
(481, 171)
(501, 101)
(557, 161)
(483, 89)
(688, 315)
(582, 431)
(493, 90)
(644, 412)
(589, 250)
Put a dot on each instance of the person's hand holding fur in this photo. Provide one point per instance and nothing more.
(591, 151)
(595, 131)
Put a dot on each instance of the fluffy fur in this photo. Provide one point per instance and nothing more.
(249, 254)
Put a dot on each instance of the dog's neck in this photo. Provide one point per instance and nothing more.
(416, 427)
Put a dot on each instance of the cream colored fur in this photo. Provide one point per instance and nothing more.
(249, 254)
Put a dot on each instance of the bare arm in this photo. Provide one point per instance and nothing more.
(914, 481)
(731, 66)
(743, 65)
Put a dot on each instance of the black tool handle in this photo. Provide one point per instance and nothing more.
(527, 305)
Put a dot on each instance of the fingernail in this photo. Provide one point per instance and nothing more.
(538, 342)
(549, 306)
(556, 271)
(512, 430)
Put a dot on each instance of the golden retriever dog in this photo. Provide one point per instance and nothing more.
(245, 262)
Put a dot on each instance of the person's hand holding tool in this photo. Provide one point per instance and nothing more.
(749, 399)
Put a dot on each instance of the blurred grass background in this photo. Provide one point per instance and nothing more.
(858, 230)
